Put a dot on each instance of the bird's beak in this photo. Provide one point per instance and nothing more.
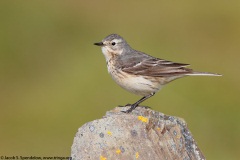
(99, 44)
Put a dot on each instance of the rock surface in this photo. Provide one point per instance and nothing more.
(143, 134)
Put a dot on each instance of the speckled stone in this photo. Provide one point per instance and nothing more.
(143, 134)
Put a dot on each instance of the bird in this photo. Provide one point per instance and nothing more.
(138, 72)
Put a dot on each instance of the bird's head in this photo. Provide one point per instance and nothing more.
(112, 45)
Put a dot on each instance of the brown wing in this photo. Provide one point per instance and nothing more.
(157, 68)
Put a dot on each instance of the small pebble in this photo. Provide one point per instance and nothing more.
(101, 135)
(92, 128)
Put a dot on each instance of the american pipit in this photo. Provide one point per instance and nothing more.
(138, 72)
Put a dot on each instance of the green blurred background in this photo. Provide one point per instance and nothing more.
(53, 79)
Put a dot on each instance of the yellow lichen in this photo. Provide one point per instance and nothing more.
(178, 136)
(118, 151)
(143, 119)
(103, 158)
(137, 155)
(109, 133)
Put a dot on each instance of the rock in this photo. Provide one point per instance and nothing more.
(143, 134)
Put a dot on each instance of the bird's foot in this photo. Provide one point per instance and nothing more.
(132, 107)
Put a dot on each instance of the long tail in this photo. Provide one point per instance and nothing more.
(194, 73)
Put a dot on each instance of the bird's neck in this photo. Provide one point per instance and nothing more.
(110, 54)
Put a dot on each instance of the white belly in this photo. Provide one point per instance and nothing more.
(136, 84)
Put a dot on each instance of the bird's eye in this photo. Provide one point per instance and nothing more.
(113, 43)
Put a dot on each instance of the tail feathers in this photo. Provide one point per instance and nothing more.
(203, 74)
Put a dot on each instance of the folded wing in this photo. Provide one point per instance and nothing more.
(156, 67)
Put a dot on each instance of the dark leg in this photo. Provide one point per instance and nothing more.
(133, 106)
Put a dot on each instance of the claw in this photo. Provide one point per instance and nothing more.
(133, 106)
